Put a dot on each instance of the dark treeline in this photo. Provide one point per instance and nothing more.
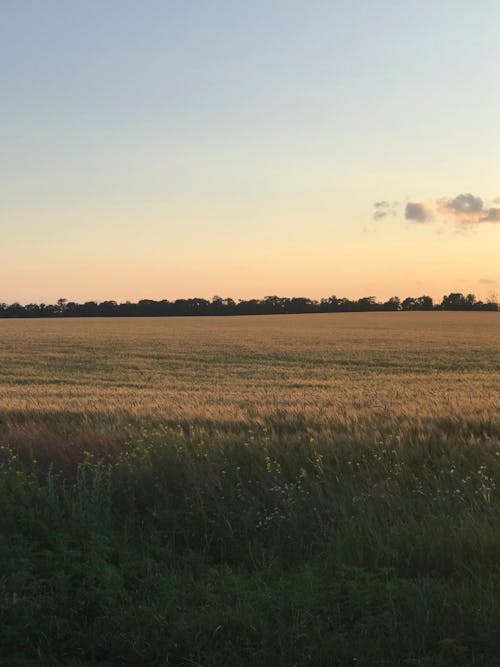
(269, 305)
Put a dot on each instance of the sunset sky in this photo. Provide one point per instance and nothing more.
(161, 149)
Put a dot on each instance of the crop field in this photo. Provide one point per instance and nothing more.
(262, 490)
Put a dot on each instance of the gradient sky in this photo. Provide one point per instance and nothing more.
(160, 149)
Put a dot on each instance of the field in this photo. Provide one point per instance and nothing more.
(274, 490)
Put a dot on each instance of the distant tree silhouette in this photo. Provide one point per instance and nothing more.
(61, 305)
(457, 301)
(492, 301)
(367, 303)
(417, 303)
(394, 303)
(226, 306)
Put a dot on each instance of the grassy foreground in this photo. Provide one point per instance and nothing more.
(312, 490)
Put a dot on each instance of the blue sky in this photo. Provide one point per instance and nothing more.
(168, 149)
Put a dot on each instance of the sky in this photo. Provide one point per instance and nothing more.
(171, 149)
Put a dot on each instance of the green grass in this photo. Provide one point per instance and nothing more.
(190, 547)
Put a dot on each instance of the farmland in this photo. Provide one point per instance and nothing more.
(299, 489)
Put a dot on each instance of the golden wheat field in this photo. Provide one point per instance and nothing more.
(321, 369)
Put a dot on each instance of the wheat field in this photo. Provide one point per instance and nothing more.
(318, 368)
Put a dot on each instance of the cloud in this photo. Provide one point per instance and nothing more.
(467, 209)
(384, 209)
(419, 212)
(465, 204)
(464, 210)
(493, 215)
(487, 281)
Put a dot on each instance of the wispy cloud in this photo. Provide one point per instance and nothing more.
(385, 209)
(487, 281)
(464, 210)
(493, 215)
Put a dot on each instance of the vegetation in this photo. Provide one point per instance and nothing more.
(286, 490)
(270, 305)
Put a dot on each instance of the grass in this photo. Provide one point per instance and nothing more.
(289, 490)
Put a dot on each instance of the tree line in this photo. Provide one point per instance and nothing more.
(269, 305)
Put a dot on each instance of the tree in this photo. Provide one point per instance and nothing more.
(492, 301)
(394, 303)
(61, 305)
(366, 303)
(425, 303)
(454, 301)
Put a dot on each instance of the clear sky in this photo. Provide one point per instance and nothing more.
(161, 149)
